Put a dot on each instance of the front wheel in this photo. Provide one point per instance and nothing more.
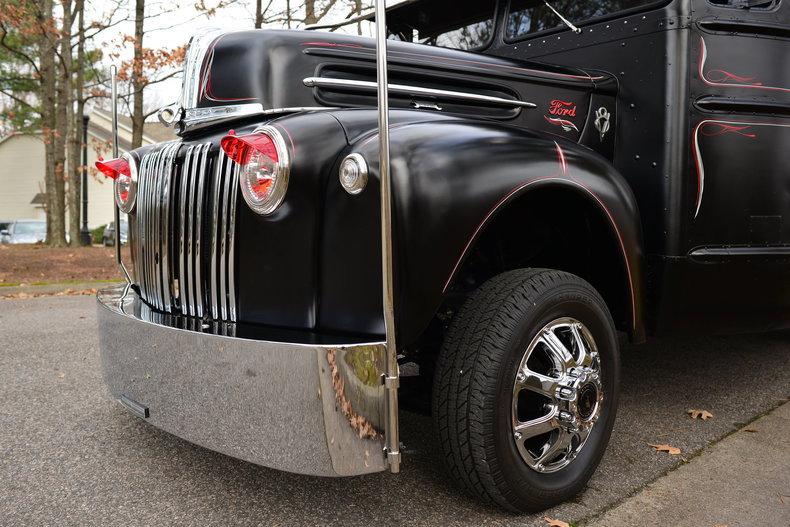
(526, 386)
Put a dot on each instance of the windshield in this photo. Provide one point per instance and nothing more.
(444, 23)
(30, 227)
(532, 16)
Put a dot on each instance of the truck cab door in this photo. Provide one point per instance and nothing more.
(737, 206)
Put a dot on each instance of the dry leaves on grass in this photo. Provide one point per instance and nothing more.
(555, 523)
(699, 414)
(66, 292)
(671, 450)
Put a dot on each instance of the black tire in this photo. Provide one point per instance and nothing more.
(473, 386)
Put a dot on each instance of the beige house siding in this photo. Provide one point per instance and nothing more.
(22, 169)
(21, 176)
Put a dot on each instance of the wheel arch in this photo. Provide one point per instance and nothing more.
(602, 258)
(453, 179)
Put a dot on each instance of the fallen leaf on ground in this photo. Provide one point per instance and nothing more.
(555, 523)
(700, 414)
(782, 498)
(750, 430)
(671, 450)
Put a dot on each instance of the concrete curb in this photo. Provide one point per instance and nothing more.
(742, 480)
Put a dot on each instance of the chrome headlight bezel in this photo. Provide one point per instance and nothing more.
(275, 198)
(128, 205)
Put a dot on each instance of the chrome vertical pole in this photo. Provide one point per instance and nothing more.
(115, 153)
(391, 378)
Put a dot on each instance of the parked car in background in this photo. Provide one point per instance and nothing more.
(24, 231)
(108, 237)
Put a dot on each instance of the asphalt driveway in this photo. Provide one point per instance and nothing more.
(69, 455)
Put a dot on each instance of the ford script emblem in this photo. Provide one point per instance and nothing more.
(562, 108)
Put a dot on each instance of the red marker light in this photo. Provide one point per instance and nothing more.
(114, 167)
(241, 147)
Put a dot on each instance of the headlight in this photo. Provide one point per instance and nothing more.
(264, 167)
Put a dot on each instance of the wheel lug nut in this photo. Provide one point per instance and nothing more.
(566, 393)
(517, 436)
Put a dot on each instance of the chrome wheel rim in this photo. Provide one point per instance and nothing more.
(557, 395)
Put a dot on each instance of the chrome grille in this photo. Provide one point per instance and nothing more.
(183, 231)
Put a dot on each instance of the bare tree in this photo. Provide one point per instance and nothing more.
(76, 124)
(138, 120)
(48, 48)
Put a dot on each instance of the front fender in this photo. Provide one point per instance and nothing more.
(452, 177)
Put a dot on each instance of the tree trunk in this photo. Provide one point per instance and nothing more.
(75, 138)
(258, 14)
(357, 12)
(309, 12)
(47, 48)
(138, 84)
(62, 122)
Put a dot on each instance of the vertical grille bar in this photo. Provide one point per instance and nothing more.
(215, 209)
(148, 246)
(134, 225)
(199, 228)
(223, 230)
(183, 284)
(157, 230)
(190, 283)
(164, 258)
(234, 187)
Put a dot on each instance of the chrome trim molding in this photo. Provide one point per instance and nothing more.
(198, 47)
(718, 252)
(197, 118)
(302, 408)
(369, 86)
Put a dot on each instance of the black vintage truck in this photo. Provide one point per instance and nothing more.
(558, 174)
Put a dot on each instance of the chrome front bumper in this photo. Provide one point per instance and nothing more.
(304, 408)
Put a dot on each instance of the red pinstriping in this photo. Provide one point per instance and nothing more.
(723, 81)
(559, 177)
